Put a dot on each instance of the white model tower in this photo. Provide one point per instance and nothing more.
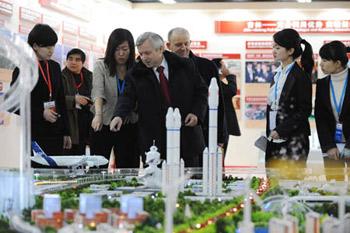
(212, 156)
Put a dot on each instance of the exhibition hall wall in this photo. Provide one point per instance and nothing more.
(241, 33)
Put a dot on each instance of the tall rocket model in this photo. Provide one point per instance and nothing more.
(173, 168)
(212, 156)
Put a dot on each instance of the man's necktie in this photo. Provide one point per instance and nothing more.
(164, 87)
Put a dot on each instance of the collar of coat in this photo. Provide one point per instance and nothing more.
(67, 72)
(173, 60)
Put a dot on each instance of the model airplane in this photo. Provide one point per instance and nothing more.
(70, 161)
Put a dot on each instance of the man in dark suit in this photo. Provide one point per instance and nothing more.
(179, 42)
(160, 80)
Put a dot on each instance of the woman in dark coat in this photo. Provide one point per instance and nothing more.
(229, 90)
(289, 100)
(77, 83)
(332, 108)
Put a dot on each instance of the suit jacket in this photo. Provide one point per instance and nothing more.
(70, 91)
(229, 90)
(207, 69)
(105, 86)
(325, 121)
(295, 105)
(188, 93)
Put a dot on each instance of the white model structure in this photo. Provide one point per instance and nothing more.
(70, 161)
(212, 157)
(15, 171)
(174, 167)
(152, 175)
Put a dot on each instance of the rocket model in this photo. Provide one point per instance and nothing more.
(212, 156)
(173, 167)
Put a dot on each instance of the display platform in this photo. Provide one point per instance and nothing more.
(252, 200)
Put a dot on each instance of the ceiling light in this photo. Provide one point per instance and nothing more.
(304, 1)
(168, 1)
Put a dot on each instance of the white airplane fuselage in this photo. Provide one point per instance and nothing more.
(66, 160)
(72, 160)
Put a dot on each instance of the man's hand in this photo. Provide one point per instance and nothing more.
(333, 153)
(82, 100)
(274, 135)
(96, 123)
(67, 142)
(115, 124)
(50, 115)
(191, 120)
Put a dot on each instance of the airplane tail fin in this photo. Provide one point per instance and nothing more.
(39, 152)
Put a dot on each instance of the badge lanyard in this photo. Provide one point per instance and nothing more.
(278, 79)
(121, 85)
(338, 136)
(77, 86)
(341, 100)
(48, 78)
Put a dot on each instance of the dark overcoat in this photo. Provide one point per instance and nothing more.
(188, 93)
(325, 121)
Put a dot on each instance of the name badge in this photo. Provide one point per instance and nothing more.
(50, 105)
(272, 121)
(338, 137)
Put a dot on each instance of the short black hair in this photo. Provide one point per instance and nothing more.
(335, 51)
(42, 35)
(217, 62)
(77, 51)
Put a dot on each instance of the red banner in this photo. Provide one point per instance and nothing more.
(25, 28)
(256, 99)
(86, 34)
(259, 56)
(258, 44)
(6, 7)
(77, 9)
(199, 44)
(98, 50)
(29, 15)
(69, 40)
(53, 22)
(86, 45)
(271, 26)
(70, 28)
(220, 55)
(346, 42)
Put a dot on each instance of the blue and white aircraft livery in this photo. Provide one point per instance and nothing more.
(70, 161)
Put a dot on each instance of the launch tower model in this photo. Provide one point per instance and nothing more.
(174, 167)
(212, 156)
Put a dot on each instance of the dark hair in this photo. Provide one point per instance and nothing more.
(117, 37)
(42, 35)
(217, 62)
(78, 52)
(290, 38)
(335, 51)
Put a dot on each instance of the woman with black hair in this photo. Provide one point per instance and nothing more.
(332, 108)
(229, 90)
(289, 100)
(49, 122)
(109, 83)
